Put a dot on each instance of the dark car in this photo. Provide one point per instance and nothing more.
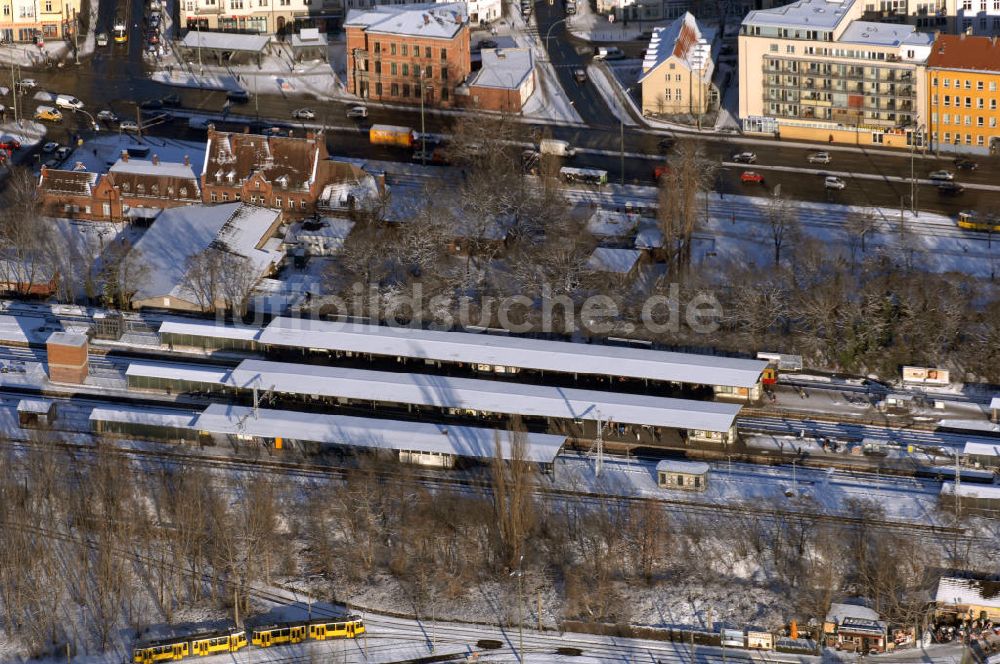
(171, 100)
(950, 189)
(238, 96)
(665, 144)
(966, 165)
(151, 105)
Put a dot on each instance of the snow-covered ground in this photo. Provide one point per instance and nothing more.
(610, 92)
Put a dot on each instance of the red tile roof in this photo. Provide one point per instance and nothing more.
(965, 52)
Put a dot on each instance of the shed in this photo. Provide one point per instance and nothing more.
(612, 224)
(684, 475)
(34, 413)
(986, 455)
(225, 47)
(309, 44)
(619, 263)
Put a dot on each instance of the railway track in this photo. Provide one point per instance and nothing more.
(470, 483)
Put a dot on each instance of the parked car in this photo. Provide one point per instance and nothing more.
(50, 147)
(748, 177)
(430, 156)
(171, 100)
(946, 176)
(744, 157)
(966, 165)
(154, 38)
(107, 116)
(151, 105)
(63, 153)
(609, 53)
(238, 96)
(48, 114)
(128, 125)
(357, 112)
(102, 39)
(10, 144)
(950, 188)
(27, 84)
(831, 182)
(580, 75)
(660, 171)
(304, 114)
(819, 158)
(68, 101)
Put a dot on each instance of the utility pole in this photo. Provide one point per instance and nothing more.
(201, 67)
(14, 87)
(76, 35)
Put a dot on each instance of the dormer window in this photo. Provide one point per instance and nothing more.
(256, 184)
(140, 189)
(184, 192)
(230, 176)
(283, 181)
(170, 192)
(125, 187)
(155, 189)
(218, 175)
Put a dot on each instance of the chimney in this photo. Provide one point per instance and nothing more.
(44, 171)
(125, 156)
(246, 129)
(187, 160)
(156, 160)
(427, 19)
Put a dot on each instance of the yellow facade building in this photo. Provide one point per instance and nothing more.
(678, 68)
(29, 20)
(963, 73)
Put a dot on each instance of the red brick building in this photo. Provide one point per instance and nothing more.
(396, 51)
(504, 82)
(130, 185)
(280, 172)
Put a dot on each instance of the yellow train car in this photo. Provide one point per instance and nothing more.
(215, 642)
(971, 221)
(353, 627)
(274, 635)
(161, 651)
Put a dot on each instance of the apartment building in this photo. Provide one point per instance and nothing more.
(407, 52)
(976, 17)
(266, 17)
(478, 11)
(678, 67)
(25, 20)
(963, 73)
(813, 70)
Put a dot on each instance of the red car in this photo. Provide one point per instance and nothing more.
(751, 177)
(660, 171)
(10, 145)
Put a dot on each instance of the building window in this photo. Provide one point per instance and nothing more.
(406, 69)
(378, 89)
(968, 84)
(947, 82)
(993, 122)
(392, 48)
(405, 51)
(947, 137)
(968, 102)
(993, 104)
(774, 49)
(934, 100)
(979, 121)
(302, 204)
(427, 52)
(48, 6)
(184, 192)
(444, 94)
(678, 91)
(979, 141)
(968, 139)
(428, 72)
(394, 89)
(945, 119)
(993, 86)
(789, 48)
(392, 68)
(444, 73)
(225, 196)
(444, 51)
(214, 197)
(291, 204)
(140, 189)
(934, 82)
(277, 201)
(406, 89)
(947, 100)
(378, 47)
(378, 66)
(667, 95)
(968, 120)
(979, 85)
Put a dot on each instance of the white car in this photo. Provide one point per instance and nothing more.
(50, 147)
(941, 175)
(357, 112)
(27, 83)
(128, 125)
(831, 182)
(819, 158)
(744, 157)
(304, 114)
(107, 116)
(102, 39)
(69, 102)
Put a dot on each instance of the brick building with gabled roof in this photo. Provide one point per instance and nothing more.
(280, 172)
(128, 185)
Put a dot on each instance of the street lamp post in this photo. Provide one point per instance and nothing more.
(548, 33)
(520, 608)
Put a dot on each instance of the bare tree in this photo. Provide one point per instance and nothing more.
(782, 224)
(26, 237)
(859, 224)
(237, 276)
(513, 505)
(691, 174)
(203, 277)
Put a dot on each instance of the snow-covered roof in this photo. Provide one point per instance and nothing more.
(524, 353)
(215, 331)
(192, 374)
(952, 590)
(804, 14)
(688, 41)
(482, 395)
(428, 20)
(972, 425)
(15, 330)
(308, 37)
(839, 612)
(612, 260)
(649, 237)
(970, 490)
(67, 339)
(876, 34)
(144, 213)
(333, 228)
(171, 169)
(225, 40)
(504, 68)
(677, 466)
(609, 223)
(181, 232)
(38, 406)
(995, 403)
(982, 449)
(151, 417)
(461, 441)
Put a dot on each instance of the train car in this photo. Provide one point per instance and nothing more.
(200, 644)
(972, 221)
(973, 475)
(120, 31)
(583, 175)
(266, 636)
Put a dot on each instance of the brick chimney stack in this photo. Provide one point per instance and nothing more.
(125, 156)
(187, 160)
(156, 160)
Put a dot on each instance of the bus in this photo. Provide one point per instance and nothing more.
(583, 175)
(970, 220)
(120, 31)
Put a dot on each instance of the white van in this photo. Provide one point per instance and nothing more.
(609, 53)
(68, 101)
